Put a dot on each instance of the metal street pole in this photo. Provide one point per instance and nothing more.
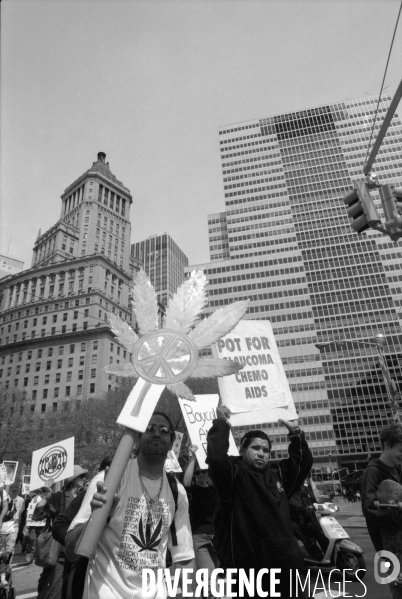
(332, 473)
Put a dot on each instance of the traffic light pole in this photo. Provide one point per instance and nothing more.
(381, 134)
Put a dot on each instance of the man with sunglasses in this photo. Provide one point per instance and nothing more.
(253, 529)
(139, 530)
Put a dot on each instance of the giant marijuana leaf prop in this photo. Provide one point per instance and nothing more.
(186, 330)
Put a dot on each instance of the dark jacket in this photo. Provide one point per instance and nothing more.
(377, 519)
(253, 528)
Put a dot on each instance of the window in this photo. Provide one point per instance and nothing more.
(54, 317)
(43, 332)
(53, 331)
(69, 376)
(56, 392)
(82, 360)
(34, 394)
(63, 328)
(79, 389)
(93, 373)
(29, 354)
(92, 388)
(68, 390)
(94, 358)
(59, 363)
(72, 347)
(48, 365)
(20, 356)
(80, 375)
(26, 382)
(50, 351)
(83, 346)
(36, 380)
(18, 369)
(47, 377)
(43, 408)
(111, 347)
(27, 367)
(45, 393)
(65, 314)
(40, 353)
(94, 345)
(54, 406)
(75, 314)
(74, 328)
(61, 350)
(37, 367)
(44, 320)
(70, 362)
(35, 320)
(58, 377)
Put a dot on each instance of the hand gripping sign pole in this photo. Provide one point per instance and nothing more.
(160, 357)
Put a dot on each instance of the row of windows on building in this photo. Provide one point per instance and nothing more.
(113, 201)
(61, 350)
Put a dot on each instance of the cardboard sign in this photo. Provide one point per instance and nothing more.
(52, 463)
(177, 443)
(146, 395)
(11, 468)
(260, 391)
(198, 416)
(25, 484)
(171, 462)
(3, 475)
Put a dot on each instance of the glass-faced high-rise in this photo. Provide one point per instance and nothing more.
(164, 263)
(285, 241)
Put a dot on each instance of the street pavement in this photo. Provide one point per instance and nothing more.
(25, 576)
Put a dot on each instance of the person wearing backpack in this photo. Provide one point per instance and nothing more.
(139, 529)
(51, 579)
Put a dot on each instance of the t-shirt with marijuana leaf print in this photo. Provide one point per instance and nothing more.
(128, 544)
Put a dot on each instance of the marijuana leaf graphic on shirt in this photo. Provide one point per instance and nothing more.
(150, 541)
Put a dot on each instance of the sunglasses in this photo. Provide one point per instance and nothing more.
(164, 430)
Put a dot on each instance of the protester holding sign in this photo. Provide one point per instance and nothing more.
(9, 529)
(253, 529)
(203, 502)
(145, 521)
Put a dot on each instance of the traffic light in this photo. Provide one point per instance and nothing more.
(361, 208)
(391, 198)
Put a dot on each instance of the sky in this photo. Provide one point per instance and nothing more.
(149, 82)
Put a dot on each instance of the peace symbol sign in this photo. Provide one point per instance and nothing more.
(165, 356)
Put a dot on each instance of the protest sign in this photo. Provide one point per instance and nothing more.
(3, 475)
(198, 416)
(177, 443)
(260, 391)
(26, 479)
(11, 468)
(52, 463)
(171, 462)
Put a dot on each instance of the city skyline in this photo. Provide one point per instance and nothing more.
(151, 83)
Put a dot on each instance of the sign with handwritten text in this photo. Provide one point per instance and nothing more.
(260, 391)
(198, 416)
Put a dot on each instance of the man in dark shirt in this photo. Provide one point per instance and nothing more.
(253, 528)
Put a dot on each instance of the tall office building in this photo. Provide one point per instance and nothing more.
(9, 266)
(284, 240)
(54, 335)
(164, 262)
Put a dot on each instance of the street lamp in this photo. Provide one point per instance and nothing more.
(379, 342)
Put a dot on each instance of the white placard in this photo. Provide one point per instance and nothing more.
(140, 422)
(52, 463)
(198, 416)
(260, 391)
(26, 481)
(171, 462)
(177, 443)
(3, 475)
(11, 468)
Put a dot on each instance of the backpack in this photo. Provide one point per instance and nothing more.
(175, 492)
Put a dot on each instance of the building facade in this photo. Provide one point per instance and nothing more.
(284, 240)
(164, 262)
(54, 336)
(9, 266)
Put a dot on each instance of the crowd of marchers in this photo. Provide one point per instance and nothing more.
(235, 515)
